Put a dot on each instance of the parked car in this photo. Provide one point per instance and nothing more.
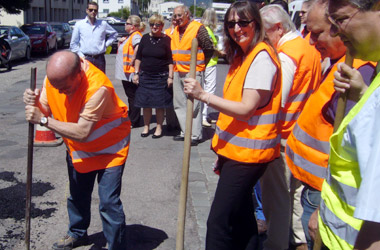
(64, 33)
(73, 22)
(5, 53)
(120, 28)
(42, 37)
(17, 40)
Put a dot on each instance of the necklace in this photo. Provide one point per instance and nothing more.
(154, 40)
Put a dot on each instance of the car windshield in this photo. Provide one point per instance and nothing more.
(34, 29)
(120, 28)
(57, 27)
(3, 31)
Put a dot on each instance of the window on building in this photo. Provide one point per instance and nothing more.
(106, 11)
(106, 1)
(120, 1)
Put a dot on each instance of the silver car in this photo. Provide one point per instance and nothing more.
(18, 41)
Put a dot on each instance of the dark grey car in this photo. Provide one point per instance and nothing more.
(120, 28)
(64, 33)
(18, 41)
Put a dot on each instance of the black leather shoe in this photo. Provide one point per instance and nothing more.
(68, 242)
(195, 142)
(144, 134)
(157, 136)
(178, 138)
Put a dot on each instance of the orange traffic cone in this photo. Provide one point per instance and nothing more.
(46, 138)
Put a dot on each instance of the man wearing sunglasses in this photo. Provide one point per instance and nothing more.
(182, 37)
(91, 37)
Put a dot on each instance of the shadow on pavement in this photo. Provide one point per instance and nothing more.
(138, 237)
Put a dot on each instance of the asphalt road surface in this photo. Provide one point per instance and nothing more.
(151, 179)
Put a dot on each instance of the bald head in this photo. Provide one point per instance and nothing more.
(62, 70)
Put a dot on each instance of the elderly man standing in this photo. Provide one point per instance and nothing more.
(89, 39)
(94, 124)
(301, 74)
(307, 149)
(350, 212)
(182, 37)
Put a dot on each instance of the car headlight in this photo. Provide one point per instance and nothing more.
(59, 38)
(37, 41)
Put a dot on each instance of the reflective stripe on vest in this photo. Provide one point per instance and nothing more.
(338, 226)
(308, 166)
(246, 142)
(307, 78)
(346, 193)
(110, 150)
(181, 49)
(308, 144)
(255, 140)
(128, 52)
(108, 144)
(305, 138)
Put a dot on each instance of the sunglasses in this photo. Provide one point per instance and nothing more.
(242, 24)
(155, 24)
(92, 10)
(128, 24)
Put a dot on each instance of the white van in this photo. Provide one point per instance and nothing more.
(294, 12)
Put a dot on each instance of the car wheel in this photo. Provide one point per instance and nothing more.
(27, 54)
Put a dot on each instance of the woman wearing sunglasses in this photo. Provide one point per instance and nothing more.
(129, 48)
(246, 139)
(154, 75)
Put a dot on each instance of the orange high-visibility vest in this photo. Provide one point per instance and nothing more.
(169, 32)
(181, 49)
(128, 52)
(258, 139)
(307, 149)
(108, 144)
(306, 79)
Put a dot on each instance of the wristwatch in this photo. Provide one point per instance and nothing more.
(44, 121)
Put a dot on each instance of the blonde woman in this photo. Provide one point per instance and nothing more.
(155, 78)
(129, 48)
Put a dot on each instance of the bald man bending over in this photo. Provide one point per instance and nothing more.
(94, 124)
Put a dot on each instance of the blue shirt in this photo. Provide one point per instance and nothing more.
(91, 39)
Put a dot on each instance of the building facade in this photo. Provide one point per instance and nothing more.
(47, 10)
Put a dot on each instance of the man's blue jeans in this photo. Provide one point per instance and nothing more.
(99, 62)
(310, 200)
(110, 206)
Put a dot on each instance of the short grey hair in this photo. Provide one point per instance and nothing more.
(273, 14)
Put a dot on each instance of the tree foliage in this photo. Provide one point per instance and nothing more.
(198, 11)
(123, 13)
(14, 6)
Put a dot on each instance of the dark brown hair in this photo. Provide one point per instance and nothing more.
(246, 10)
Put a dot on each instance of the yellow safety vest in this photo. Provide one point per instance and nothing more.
(337, 225)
